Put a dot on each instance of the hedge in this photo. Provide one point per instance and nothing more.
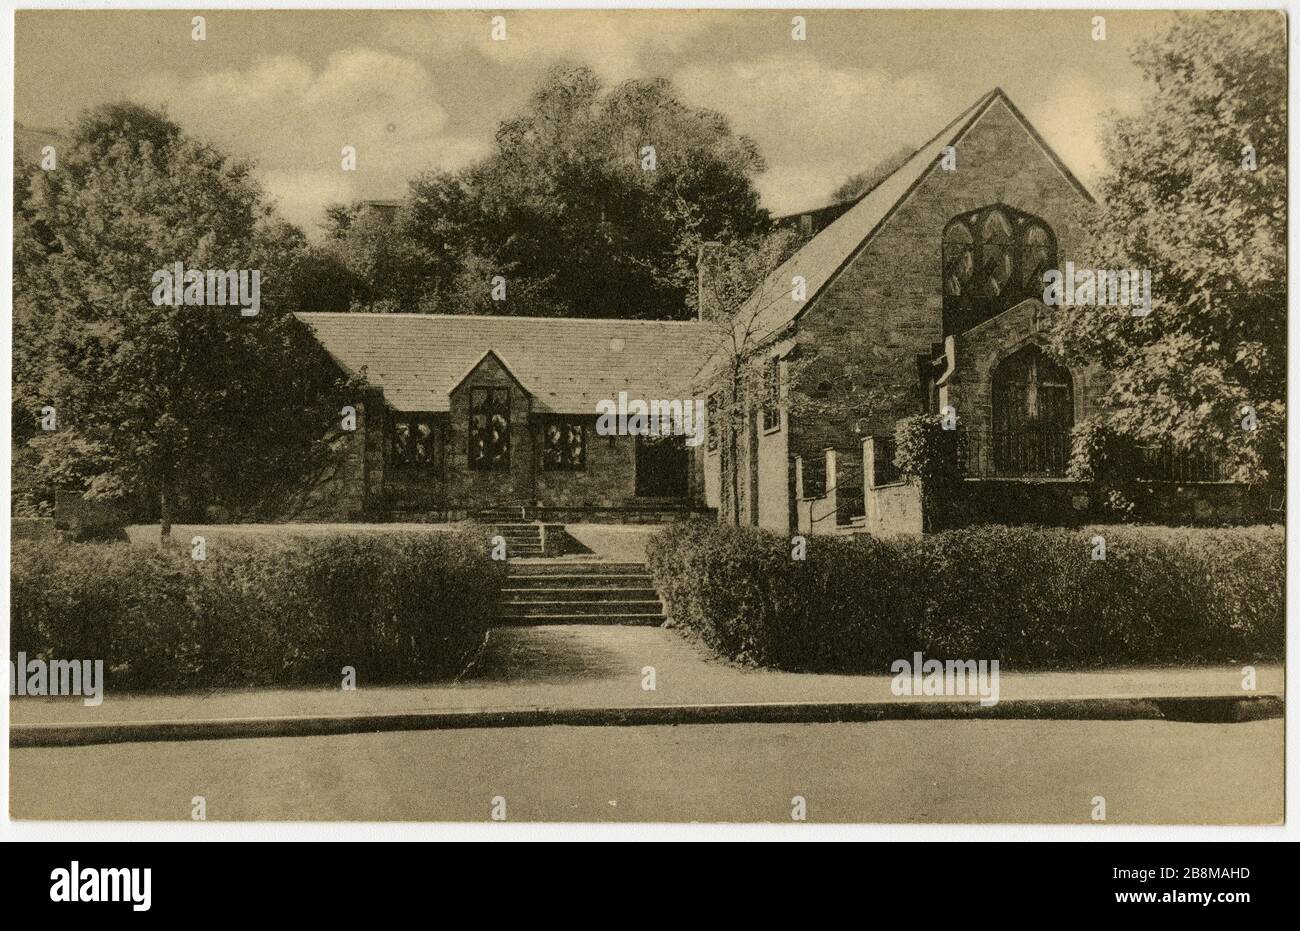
(1030, 597)
(289, 611)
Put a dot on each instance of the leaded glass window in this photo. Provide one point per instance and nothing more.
(772, 395)
(412, 440)
(993, 258)
(564, 444)
(489, 429)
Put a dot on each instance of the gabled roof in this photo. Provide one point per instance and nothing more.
(771, 308)
(505, 367)
(566, 363)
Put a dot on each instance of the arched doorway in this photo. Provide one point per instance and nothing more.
(1033, 413)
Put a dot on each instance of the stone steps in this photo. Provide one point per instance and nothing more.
(580, 593)
(582, 608)
(584, 570)
(522, 540)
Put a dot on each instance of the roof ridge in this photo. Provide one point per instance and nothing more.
(951, 130)
(423, 316)
(996, 91)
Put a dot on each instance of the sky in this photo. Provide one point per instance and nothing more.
(415, 90)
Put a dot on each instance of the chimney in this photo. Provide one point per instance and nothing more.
(708, 268)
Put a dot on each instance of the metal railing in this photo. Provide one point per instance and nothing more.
(1025, 453)
(1163, 464)
(1031, 453)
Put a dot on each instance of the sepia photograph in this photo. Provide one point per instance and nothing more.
(787, 417)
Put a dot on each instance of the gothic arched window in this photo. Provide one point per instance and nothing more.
(993, 257)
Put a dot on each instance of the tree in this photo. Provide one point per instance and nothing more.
(738, 380)
(382, 269)
(1195, 191)
(176, 403)
(854, 186)
(594, 203)
(307, 276)
(738, 286)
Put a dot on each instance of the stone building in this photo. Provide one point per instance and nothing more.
(923, 295)
(468, 415)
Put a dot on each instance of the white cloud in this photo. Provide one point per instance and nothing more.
(616, 44)
(295, 120)
(817, 123)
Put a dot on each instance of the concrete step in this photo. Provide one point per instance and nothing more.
(580, 608)
(534, 582)
(516, 579)
(580, 593)
(587, 570)
(647, 620)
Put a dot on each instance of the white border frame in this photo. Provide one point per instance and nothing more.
(368, 831)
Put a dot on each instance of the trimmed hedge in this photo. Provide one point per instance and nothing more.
(1029, 597)
(291, 611)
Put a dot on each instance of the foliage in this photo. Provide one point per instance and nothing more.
(1099, 454)
(174, 404)
(856, 185)
(1107, 461)
(567, 209)
(383, 270)
(396, 607)
(1031, 598)
(1196, 192)
(927, 454)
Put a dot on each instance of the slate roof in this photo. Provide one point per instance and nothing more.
(567, 364)
(770, 309)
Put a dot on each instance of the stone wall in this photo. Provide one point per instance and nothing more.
(345, 489)
(608, 480)
(1066, 503)
(891, 508)
(884, 308)
(968, 387)
(774, 476)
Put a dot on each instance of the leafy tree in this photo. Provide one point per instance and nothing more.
(577, 213)
(307, 276)
(740, 284)
(382, 269)
(1196, 192)
(854, 186)
(177, 404)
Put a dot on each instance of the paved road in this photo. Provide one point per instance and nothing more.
(933, 771)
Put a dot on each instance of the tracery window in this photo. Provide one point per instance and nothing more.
(993, 257)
